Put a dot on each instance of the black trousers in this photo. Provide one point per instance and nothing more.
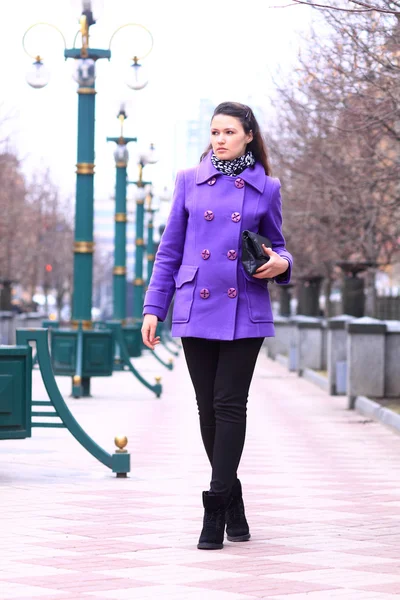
(221, 373)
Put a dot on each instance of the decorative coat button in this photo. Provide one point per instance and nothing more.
(235, 217)
(232, 254)
(212, 181)
(239, 183)
(206, 254)
(232, 293)
(204, 293)
(209, 215)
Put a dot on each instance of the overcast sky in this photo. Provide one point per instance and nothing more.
(208, 49)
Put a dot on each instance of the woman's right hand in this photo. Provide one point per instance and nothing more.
(149, 331)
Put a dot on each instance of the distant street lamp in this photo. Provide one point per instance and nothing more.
(143, 189)
(152, 206)
(121, 156)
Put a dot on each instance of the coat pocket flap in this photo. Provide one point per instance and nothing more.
(185, 274)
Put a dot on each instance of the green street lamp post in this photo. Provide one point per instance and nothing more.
(151, 208)
(153, 205)
(149, 158)
(144, 194)
(138, 281)
(133, 331)
(127, 337)
(73, 352)
(150, 245)
(119, 273)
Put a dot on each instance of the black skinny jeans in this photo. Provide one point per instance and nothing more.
(221, 373)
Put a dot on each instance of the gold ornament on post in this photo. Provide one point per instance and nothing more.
(121, 441)
(85, 35)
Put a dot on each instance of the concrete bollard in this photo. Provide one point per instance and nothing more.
(283, 344)
(337, 353)
(324, 351)
(33, 320)
(292, 342)
(7, 327)
(282, 337)
(365, 359)
(392, 359)
(308, 343)
(270, 347)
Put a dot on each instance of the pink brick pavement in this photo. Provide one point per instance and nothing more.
(322, 491)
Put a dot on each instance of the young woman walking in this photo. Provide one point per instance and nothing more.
(221, 313)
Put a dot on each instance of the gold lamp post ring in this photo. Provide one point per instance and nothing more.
(35, 56)
(141, 27)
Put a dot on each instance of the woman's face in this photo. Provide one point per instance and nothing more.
(228, 138)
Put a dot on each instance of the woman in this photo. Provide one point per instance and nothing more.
(221, 313)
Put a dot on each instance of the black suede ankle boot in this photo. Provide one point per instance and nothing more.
(212, 534)
(237, 528)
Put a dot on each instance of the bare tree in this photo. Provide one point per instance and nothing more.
(51, 264)
(35, 232)
(12, 199)
(337, 145)
(383, 7)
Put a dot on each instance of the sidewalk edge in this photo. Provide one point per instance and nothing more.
(369, 408)
(282, 359)
(363, 405)
(316, 378)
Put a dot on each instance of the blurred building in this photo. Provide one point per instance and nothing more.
(191, 137)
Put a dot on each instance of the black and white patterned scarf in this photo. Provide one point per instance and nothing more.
(234, 167)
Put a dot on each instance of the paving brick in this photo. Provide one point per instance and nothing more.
(322, 493)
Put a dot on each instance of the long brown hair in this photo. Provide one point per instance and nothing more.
(249, 123)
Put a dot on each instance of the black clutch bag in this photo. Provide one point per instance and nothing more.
(253, 256)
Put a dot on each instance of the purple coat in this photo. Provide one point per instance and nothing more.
(199, 254)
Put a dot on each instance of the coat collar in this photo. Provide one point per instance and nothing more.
(254, 176)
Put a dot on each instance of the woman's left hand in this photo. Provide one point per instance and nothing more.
(274, 267)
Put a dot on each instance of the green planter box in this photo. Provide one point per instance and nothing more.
(133, 339)
(63, 351)
(48, 323)
(97, 352)
(15, 392)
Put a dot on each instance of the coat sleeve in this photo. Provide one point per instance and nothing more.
(271, 227)
(169, 256)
